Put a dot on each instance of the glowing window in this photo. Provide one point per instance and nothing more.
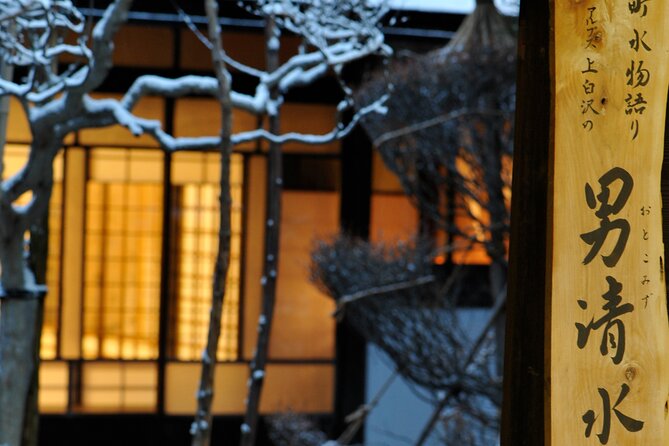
(122, 260)
(113, 386)
(195, 179)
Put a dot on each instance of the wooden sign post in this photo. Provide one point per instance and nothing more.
(605, 370)
(609, 357)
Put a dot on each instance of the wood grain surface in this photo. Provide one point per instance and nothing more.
(609, 336)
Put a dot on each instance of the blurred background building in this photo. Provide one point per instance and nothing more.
(132, 243)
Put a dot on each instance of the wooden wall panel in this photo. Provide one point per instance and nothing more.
(303, 327)
(392, 218)
(155, 51)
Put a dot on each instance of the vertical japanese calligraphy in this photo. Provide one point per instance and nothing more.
(594, 35)
(609, 341)
(613, 335)
(597, 237)
(638, 76)
(589, 418)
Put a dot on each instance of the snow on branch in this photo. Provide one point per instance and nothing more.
(335, 33)
(104, 112)
(323, 22)
(32, 34)
(32, 31)
(338, 32)
(158, 86)
(58, 103)
(193, 85)
(337, 133)
(300, 70)
(103, 46)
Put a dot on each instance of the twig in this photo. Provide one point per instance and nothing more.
(500, 303)
(357, 418)
(385, 137)
(375, 291)
(207, 43)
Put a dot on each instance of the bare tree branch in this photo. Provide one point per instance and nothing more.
(202, 425)
(375, 291)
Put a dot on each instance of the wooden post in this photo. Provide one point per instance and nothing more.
(354, 215)
(604, 328)
(525, 349)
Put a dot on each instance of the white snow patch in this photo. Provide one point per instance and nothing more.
(450, 6)
(273, 44)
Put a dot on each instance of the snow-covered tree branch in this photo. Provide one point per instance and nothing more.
(64, 106)
(334, 33)
(32, 36)
(36, 35)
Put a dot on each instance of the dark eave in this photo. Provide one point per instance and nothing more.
(405, 24)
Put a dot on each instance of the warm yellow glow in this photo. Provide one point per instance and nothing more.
(49, 346)
(383, 179)
(123, 243)
(54, 380)
(309, 119)
(202, 116)
(73, 239)
(16, 156)
(303, 325)
(118, 387)
(90, 345)
(392, 217)
(48, 343)
(302, 388)
(472, 221)
(110, 348)
(507, 174)
(464, 169)
(198, 223)
(479, 217)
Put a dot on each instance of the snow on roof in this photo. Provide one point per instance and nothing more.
(451, 6)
